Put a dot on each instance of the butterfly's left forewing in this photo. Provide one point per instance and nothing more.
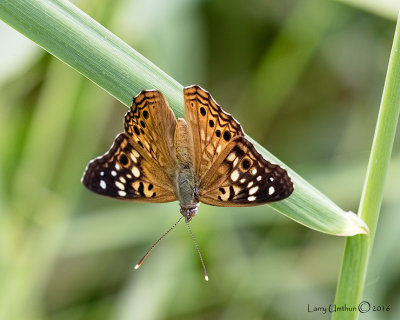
(242, 177)
(229, 169)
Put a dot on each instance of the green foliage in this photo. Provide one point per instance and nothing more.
(88, 47)
(358, 248)
(68, 254)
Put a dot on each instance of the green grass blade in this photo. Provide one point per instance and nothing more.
(75, 38)
(358, 248)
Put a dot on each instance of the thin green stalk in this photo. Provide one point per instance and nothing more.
(358, 248)
(75, 38)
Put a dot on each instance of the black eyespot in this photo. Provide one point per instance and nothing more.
(227, 135)
(203, 111)
(141, 131)
(222, 190)
(141, 189)
(219, 198)
(218, 133)
(245, 164)
(239, 152)
(140, 144)
(153, 195)
(142, 124)
(145, 114)
(211, 123)
(124, 159)
(150, 186)
(231, 193)
(136, 129)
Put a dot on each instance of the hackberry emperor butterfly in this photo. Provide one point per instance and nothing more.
(203, 159)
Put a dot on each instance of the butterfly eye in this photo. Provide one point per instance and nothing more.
(124, 160)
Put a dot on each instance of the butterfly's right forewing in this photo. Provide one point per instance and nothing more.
(124, 173)
(140, 165)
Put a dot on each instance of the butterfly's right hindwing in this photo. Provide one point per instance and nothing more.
(141, 163)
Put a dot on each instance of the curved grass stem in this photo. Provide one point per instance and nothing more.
(358, 248)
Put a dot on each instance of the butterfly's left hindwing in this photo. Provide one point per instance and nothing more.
(230, 171)
(122, 173)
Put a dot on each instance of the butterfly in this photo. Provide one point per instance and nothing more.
(203, 158)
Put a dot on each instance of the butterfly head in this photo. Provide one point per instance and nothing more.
(189, 211)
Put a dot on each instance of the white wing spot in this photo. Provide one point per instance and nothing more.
(202, 134)
(243, 180)
(254, 171)
(250, 184)
(271, 190)
(235, 175)
(103, 184)
(136, 172)
(122, 193)
(251, 198)
(113, 173)
(117, 166)
(259, 178)
(102, 173)
(129, 176)
(219, 149)
(120, 185)
(253, 190)
(135, 153)
(231, 156)
(133, 158)
(122, 179)
(235, 162)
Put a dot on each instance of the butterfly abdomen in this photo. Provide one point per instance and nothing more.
(185, 176)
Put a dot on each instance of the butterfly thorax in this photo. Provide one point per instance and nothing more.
(185, 177)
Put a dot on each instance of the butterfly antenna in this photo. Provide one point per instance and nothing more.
(198, 251)
(156, 243)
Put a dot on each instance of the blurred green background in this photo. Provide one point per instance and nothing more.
(304, 78)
